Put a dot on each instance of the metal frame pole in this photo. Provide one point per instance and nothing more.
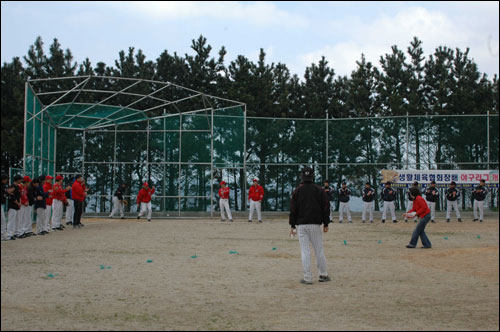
(34, 126)
(488, 137)
(164, 158)
(83, 154)
(326, 161)
(180, 160)
(148, 175)
(407, 141)
(55, 150)
(244, 194)
(24, 137)
(114, 167)
(212, 164)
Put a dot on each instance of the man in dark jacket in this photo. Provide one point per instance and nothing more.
(329, 195)
(118, 201)
(40, 204)
(432, 196)
(452, 195)
(309, 208)
(388, 196)
(5, 192)
(479, 195)
(14, 206)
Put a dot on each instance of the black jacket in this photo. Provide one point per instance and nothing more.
(38, 191)
(479, 193)
(309, 205)
(429, 194)
(4, 193)
(386, 196)
(13, 197)
(31, 194)
(329, 193)
(119, 193)
(366, 197)
(344, 195)
(449, 194)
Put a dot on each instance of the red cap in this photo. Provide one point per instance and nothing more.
(222, 182)
(145, 184)
(59, 177)
(48, 177)
(255, 179)
(26, 179)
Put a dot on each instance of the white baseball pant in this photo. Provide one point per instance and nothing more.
(40, 220)
(4, 225)
(22, 216)
(478, 205)
(57, 207)
(367, 206)
(70, 210)
(410, 206)
(224, 204)
(344, 206)
(432, 207)
(449, 206)
(146, 207)
(12, 219)
(117, 207)
(331, 210)
(257, 206)
(48, 214)
(311, 234)
(28, 217)
(389, 205)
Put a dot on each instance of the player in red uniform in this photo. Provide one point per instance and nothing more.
(224, 201)
(144, 200)
(255, 196)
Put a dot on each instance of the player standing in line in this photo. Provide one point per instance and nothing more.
(344, 197)
(368, 195)
(410, 201)
(70, 208)
(388, 196)
(39, 197)
(31, 201)
(5, 191)
(144, 200)
(25, 229)
(421, 209)
(59, 200)
(13, 208)
(224, 202)
(329, 195)
(431, 196)
(255, 197)
(118, 201)
(309, 208)
(479, 195)
(452, 195)
(78, 191)
(47, 187)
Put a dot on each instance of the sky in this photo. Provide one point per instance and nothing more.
(294, 33)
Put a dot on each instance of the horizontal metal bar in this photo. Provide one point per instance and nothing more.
(111, 196)
(58, 78)
(146, 163)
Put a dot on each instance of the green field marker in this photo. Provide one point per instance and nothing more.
(345, 242)
(479, 236)
(379, 241)
(194, 256)
(446, 238)
(275, 248)
(149, 261)
(233, 252)
(105, 267)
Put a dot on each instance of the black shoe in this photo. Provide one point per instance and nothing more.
(480, 221)
(249, 221)
(409, 246)
(447, 220)
(110, 217)
(28, 234)
(231, 220)
(406, 220)
(149, 219)
(76, 226)
(428, 247)
(431, 221)
(306, 282)
(81, 225)
(12, 238)
(222, 220)
(69, 223)
(383, 221)
(363, 221)
(324, 278)
(340, 221)
(260, 221)
(459, 220)
(371, 221)
(394, 221)
(62, 226)
(414, 221)
(22, 236)
(122, 218)
(474, 220)
(138, 217)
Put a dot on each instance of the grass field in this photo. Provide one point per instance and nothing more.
(99, 278)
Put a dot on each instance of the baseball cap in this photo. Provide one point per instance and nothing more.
(48, 177)
(222, 182)
(35, 180)
(415, 183)
(307, 173)
(343, 182)
(145, 184)
(4, 176)
(256, 179)
(59, 177)
(26, 179)
(453, 183)
(17, 178)
(388, 183)
(433, 182)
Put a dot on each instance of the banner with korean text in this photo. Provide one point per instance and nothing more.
(463, 178)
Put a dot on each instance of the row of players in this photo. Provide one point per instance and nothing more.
(388, 195)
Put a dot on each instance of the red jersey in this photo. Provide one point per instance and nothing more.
(46, 187)
(145, 195)
(78, 191)
(420, 207)
(24, 194)
(256, 193)
(224, 193)
(59, 193)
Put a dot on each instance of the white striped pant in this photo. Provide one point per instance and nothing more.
(449, 206)
(224, 204)
(478, 205)
(48, 213)
(344, 206)
(25, 220)
(389, 205)
(70, 210)
(4, 225)
(117, 207)
(40, 220)
(257, 206)
(311, 234)
(146, 208)
(367, 206)
(432, 207)
(12, 222)
(57, 213)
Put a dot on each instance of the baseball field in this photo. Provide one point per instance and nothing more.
(182, 274)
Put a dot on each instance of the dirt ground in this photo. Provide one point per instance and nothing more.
(99, 278)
